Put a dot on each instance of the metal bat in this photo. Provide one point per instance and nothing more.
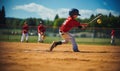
(86, 25)
(95, 18)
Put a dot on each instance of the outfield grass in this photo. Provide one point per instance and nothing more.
(33, 39)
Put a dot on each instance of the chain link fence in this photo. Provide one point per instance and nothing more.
(90, 35)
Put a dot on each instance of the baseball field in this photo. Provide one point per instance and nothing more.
(16, 56)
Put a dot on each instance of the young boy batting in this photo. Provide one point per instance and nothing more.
(64, 29)
(41, 32)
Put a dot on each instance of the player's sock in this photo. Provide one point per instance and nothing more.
(58, 43)
(54, 44)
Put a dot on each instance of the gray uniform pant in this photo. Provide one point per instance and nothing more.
(67, 37)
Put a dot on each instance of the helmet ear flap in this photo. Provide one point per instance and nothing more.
(70, 13)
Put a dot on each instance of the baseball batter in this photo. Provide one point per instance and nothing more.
(68, 24)
(41, 32)
(25, 29)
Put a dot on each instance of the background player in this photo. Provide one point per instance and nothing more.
(113, 37)
(68, 24)
(25, 29)
(41, 32)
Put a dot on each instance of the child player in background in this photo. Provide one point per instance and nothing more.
(41, 32)
(113, 37)
(25, 29)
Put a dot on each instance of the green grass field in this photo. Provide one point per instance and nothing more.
(33, 39)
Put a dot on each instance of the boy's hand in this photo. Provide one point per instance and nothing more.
(84, 27)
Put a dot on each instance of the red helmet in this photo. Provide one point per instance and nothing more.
(74, 12)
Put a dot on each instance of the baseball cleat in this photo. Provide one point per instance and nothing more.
(54, 44)
(76, 51)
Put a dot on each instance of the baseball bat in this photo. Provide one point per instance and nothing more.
(85, 26)
(95, 18)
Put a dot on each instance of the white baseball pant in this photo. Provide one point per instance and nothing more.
(24, 35)
(112, 40)
(40, 39)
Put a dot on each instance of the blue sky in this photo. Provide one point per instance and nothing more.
(47, 9)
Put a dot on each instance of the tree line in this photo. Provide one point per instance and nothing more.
(2, 16)
(108, 21)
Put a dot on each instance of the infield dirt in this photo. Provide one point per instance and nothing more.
(16, 56)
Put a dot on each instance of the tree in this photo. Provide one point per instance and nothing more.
(55, 21)
(2, 16)
(56, 17)
(92, 16)
(31, 21)
(110, 14)
(58, 22)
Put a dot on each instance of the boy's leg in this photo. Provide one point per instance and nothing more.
(112, 40)
(38, 37)
(54, 44)
(26, 37)
(68, 37)
(74, 44)
(22, 37)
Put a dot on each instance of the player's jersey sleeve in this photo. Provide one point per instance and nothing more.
(25, 29)
(75, 23)
(38, 29)
(69, 24)
(41, 28)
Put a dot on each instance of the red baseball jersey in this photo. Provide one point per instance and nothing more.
(113, 33)
(41, 28)
(68, 24)
(25, 28)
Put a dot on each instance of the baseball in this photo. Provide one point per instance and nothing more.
(99, 21)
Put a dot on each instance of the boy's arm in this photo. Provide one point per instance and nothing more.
(83, 26)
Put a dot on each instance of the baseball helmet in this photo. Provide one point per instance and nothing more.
(74, 12)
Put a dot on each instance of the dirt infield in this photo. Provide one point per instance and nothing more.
(15, 56)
